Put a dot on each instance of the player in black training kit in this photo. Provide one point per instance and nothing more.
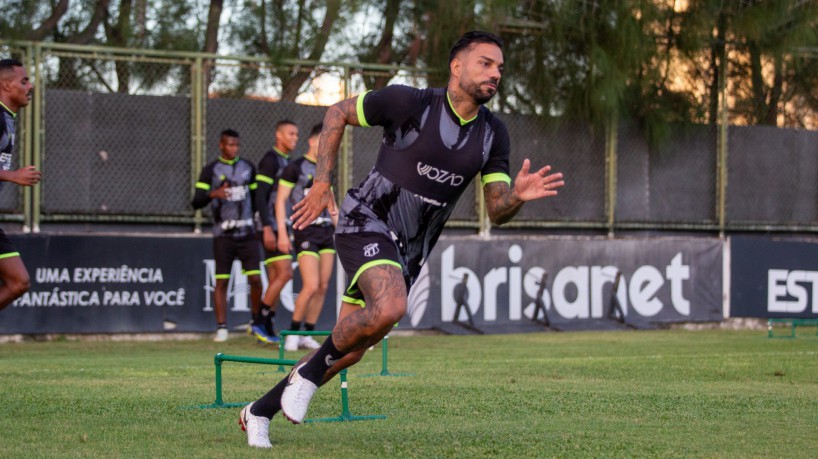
(435, 142)
(228, 185)
(314, 245)
(15, 93)
(279, 264)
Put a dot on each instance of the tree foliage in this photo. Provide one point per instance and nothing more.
(658, 61)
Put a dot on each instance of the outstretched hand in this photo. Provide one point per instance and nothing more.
(308, 209)
(530, 186)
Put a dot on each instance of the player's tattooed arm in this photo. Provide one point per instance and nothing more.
(338, 117)
(503, 203)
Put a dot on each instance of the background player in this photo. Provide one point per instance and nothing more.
(15, 93)
(227, 184)
(278, 264)
(314, 244)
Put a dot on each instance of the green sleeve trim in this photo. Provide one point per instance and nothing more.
(9, 255)
(264, 178)
(289, 185)
(359, 105)
(277, 258)
(253, 185)
(202, 186)
(496, 177)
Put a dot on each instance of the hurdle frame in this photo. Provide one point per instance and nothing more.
(384, 350)
(219, 358)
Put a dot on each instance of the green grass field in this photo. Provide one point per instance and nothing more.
(594, 394)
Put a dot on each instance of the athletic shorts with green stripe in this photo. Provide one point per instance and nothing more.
(361, 251)
(7, 249)
(314, 240)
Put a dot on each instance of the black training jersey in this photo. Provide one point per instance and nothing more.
(298, 176)
(270, 168)
(7, 133)
(426, 160)
(232, 217)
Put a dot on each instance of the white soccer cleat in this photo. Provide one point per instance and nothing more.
(296, 397)
(306, 342)
(257, 428)
(291, 343)
(221, 335)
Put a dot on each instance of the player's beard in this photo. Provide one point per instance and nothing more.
(477, 93)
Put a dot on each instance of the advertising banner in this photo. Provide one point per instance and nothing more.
(569, 282)
(122, 284)
(773, 278)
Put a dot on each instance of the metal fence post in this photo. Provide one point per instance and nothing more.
(197, 94)
(611, 137)
(721, 167)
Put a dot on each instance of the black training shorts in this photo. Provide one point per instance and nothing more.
(227, 249)
(361, 251)
(272, 256)
(7, 249)
(314, 240)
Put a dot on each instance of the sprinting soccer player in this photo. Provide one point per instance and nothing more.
(15, 93)
(227, 184)
(435, 141)
(279, 264)
(314, 245)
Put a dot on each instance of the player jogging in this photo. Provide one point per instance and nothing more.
(435, 141)
(15, 93)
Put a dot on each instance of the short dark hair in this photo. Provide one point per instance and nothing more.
(8, 64)
(475, 36)
(316, 130)
(230, 133)
(284, 123)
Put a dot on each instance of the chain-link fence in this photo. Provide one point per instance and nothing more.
(121, 136)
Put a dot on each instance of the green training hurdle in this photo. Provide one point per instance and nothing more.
(384, 350)
(283, 335)
(384, 359)
(345, 415)
(793, 324)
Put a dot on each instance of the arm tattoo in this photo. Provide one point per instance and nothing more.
(335, 122)
(501, 204)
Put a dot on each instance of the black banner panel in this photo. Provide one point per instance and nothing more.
(773, 278)
(121, 284)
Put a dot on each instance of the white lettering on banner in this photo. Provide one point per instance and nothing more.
(123, 274)
(106, 296)
(239, 290)
(578, 291)
(783, 284)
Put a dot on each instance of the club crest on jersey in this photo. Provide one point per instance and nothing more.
(439, 175)
(370, 250)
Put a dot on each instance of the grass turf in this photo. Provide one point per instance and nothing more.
(594, 394)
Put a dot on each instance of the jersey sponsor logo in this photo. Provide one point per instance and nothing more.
(439, 175)
(370, 250)
(5, 161)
